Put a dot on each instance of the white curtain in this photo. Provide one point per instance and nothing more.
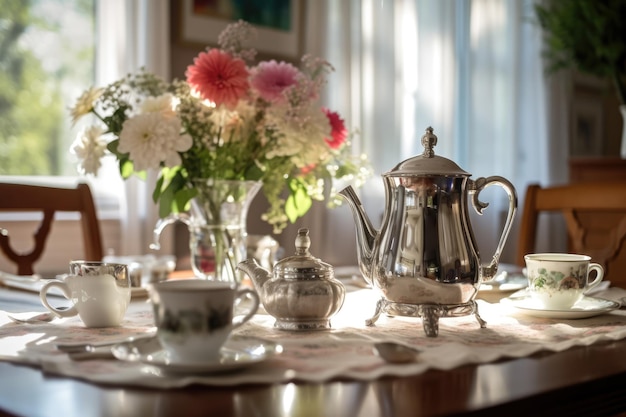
(470, 69)
(133, 34)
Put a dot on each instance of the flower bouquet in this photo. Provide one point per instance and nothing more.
(229, 120)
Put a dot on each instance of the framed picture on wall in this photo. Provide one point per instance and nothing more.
(278, 23)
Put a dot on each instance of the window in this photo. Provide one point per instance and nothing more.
(46, 61)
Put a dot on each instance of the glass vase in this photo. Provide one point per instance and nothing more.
(217, 227)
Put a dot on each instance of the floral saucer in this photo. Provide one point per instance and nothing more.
(585, 308)
(237, 353)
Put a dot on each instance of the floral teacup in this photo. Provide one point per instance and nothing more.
(559, 280)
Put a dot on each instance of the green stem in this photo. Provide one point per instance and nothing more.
(223, 240)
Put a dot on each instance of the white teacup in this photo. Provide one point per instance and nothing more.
(194, 317)
(559, 280)
(100, 293)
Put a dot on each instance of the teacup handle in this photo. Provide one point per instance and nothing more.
(247, 292)
(43, 295)
(599, 275)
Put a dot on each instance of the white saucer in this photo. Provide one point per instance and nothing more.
(585, 308)
(509, 278)
(238, 352)
(505, 283)
(512, 283)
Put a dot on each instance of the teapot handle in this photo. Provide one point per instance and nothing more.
(475, 187)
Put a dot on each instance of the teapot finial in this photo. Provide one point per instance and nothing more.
(303, 242)
(429, 141)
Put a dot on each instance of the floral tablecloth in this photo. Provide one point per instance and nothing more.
(346, 351)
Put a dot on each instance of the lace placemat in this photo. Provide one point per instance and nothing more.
(346, 351)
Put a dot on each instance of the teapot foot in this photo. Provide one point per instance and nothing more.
(430, 313)
(302, 325)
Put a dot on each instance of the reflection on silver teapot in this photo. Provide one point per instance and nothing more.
(424, 260)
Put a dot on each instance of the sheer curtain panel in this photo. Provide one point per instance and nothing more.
(133, 34)
(470, 69)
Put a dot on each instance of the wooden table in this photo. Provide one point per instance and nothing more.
(581, 381)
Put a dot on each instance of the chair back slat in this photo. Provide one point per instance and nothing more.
(595, 216)
(49, 200)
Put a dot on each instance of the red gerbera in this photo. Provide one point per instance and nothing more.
(338, 133)
(218, 77)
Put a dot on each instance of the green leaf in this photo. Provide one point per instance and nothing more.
(115, 122)
(167, 200)
(254, 173)
(112, 147)
(165, 204)
(127, 169)
(298, 202)
(156, 194)
(165, 180)
(182, 199)
(126, 165)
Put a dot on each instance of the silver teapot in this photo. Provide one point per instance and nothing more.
(424, 260)
(301, 292)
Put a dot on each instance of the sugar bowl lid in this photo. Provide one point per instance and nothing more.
(302, 265)
(427, 163)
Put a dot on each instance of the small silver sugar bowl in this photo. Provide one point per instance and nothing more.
(301, 292)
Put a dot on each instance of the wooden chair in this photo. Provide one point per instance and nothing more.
(595, 215)
(48, 200)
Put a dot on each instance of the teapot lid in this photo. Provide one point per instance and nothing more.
(302, 265)
(427, 163)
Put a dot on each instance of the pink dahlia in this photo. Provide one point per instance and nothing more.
(338, 133)
(271, 78)
(218, 77)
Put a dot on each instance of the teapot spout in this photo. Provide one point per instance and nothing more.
(365, 232)
(256, 272)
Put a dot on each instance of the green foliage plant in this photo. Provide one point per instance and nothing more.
(588, 35)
